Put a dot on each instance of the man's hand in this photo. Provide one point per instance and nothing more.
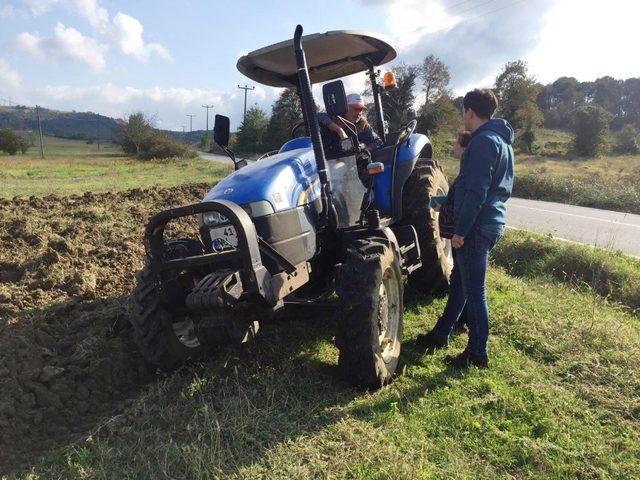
(457, 241)
(334, 127)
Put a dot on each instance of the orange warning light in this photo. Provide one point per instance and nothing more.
(389, 80)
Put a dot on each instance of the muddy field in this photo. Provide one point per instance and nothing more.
(67, 361)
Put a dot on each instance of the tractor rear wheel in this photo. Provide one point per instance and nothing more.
(163, 329)
(426, 180)
(369, 285)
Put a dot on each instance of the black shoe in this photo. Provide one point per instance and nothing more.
(431, 342)
(466, 359)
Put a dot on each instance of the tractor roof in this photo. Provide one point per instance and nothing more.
(329, 55)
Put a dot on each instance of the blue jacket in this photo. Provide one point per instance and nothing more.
(486, 177)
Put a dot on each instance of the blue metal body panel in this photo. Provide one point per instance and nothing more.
(383, 183)
(294, 144)
(290, 178)
(285, 180)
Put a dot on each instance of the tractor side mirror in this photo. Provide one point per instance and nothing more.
(335, 99)
(221, 130)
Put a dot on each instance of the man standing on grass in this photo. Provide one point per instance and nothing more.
(483, 186)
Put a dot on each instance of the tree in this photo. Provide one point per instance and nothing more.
(136, 132)
(286, 113)
(11, 143)
(627, 140)
(250, 138)
(439, 116)
(435, 77)
(558, 100)
(591, 128)
(607, 93)
(518, 91)
(630, 101)
(397, 103)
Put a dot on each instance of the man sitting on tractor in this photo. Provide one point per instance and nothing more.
(337, 126)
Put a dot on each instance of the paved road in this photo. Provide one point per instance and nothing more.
(602, 228)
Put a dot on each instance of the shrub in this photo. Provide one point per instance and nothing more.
(627, 140)
(160, 145)
(591, 129)
(139, 138)
(11, 142)
(527, 139)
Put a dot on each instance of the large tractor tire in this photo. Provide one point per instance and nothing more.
(369, 285)
(163, 329)
(427, 179)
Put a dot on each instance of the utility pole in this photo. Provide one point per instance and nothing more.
(207, 107)
(190, 122)
(98, 130)
(245, 88)
(40, 131)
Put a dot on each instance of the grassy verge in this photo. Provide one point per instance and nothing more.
(613, 275)
(609, 182)
(73, 166)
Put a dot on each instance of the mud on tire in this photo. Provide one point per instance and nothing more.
(369, 285)
(163, 331)
(427, 179)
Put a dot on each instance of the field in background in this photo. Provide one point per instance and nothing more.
(610, 182)
(73, 166)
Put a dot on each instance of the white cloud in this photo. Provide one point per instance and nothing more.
(426, 17)
(38, 7)
(589, 41)
(97, 16)
(9, 78)
(124, 31)
(168, 105)
(475, 39)
(127, 32)
(66, 43)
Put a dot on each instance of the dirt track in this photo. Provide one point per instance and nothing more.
(67, 266)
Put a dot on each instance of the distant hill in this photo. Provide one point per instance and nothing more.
(76, 125)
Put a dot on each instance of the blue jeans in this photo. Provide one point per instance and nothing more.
(468, 287)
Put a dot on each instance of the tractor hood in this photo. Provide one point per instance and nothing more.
(285, 180)
(329, 55)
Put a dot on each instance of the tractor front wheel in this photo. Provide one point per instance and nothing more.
(369, 285)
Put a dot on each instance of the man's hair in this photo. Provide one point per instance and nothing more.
(483, 102)
(464, 137)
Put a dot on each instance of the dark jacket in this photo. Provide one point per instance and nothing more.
(486, 177)
(366, 134)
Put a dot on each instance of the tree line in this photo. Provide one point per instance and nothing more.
(596, 112)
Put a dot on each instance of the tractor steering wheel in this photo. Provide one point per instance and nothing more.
(294, 130)
(406, 131)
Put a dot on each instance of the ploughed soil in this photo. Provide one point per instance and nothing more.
(67, 268)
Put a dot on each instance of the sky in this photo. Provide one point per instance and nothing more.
(170, 58)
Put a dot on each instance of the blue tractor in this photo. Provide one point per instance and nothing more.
(301, 226)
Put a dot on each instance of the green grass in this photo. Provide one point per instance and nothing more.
(560, 401)
(612, 275)
(609, 182)
(73, 166)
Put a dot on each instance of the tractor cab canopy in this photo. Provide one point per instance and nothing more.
(329, 56)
